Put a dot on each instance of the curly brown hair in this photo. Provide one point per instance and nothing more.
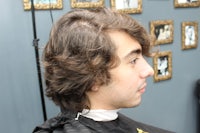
(80, 53)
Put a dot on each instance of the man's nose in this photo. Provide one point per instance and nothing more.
(147, 71)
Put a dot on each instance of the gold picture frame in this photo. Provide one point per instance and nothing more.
(189, 35)
(163, 31)
(185, 4)
(162, 66)
(87, 3)
(129, 6)
(43, 4)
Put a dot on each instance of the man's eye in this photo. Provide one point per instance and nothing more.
(133, 61)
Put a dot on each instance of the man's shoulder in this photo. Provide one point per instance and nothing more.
(61, 125)
(142, 127)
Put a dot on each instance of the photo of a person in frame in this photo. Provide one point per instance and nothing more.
(187, 1)
(189, 35)
(162, 32)
(163, 66)
(126, 4)
(45, 1)
(87, 0)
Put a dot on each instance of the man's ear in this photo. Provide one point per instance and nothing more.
(95, 88)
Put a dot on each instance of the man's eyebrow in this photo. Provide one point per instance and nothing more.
(133, 52)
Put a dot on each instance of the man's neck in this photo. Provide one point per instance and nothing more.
(100, 114)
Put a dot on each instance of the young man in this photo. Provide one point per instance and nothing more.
(94, 66)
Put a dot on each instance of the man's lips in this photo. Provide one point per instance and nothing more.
(143, 88)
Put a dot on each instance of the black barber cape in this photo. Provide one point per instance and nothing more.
(66, 123)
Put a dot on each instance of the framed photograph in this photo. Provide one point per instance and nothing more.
(186, 3)
(162, 66)
(189, 35)
(43, 4)
(127, 6)
(163, 31)
(87, 3)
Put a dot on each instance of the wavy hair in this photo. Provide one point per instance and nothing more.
(80, 53)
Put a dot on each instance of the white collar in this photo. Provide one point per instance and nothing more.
(100, 114)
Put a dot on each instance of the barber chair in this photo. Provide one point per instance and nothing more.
(197, 89)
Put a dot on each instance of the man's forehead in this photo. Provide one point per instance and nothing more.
(126, 45)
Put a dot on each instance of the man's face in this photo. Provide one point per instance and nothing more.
(128, 80)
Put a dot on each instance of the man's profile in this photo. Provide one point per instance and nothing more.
(94, 66)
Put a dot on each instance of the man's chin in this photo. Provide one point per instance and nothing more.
(134, 105)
